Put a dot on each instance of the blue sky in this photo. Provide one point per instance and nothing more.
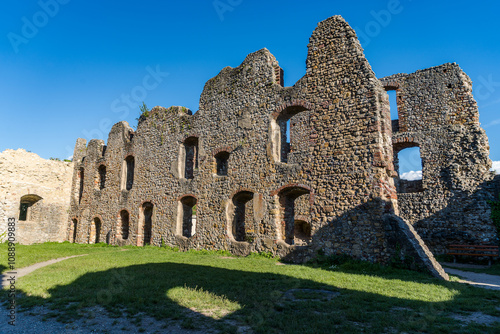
(72, 68)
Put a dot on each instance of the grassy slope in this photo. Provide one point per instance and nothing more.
(206, 287)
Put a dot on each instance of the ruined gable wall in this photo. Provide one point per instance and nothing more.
(437, 112)
(352, 156)
(23, 173)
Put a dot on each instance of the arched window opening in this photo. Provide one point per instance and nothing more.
(29, 208)
(221, 160)
(80, 191)
(294, 203)
(408, 164)
(124, 224)
(243, 215)
(187, 216)
(102, 177)
(128, 173)
(74, 226)
(95, 231)
(290, 134)
(146, 222)
(191, 157)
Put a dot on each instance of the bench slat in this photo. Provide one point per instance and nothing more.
(471, 254)
(474, 249)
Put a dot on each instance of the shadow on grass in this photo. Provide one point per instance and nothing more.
(221, 298)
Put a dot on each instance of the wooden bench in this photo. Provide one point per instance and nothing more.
(473, 250)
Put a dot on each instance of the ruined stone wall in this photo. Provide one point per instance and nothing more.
(42, 188)
(438, 113)
(330, 188)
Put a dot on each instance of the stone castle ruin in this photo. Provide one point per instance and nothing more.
(229, 177)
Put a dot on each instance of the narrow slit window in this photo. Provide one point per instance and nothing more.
(147, 222)
(393, 104)
(191, 157)
(80, 191)
(128, 173)
(74, 227)
(188, 216)
(102, 177)
(124, 224)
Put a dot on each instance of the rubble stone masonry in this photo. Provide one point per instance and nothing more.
(438, 114)
(259, 167)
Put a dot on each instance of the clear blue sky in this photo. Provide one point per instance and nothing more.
(65, 70)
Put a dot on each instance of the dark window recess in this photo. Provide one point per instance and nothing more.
(124, 224)
(80, 192)
(222, 159)
(191, 162)
(148, 222)
(23, 214)
(243, 215)
(102, 177)
(98, 224)
(75, 226)
(130, 165)
(188, 216)
(292, 229)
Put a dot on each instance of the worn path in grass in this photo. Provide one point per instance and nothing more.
(477, 279)
(29, 269)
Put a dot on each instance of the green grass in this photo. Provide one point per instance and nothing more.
(28, 255)
(205, 288)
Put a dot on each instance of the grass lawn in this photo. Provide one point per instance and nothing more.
(28, 255)
(223, 292)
